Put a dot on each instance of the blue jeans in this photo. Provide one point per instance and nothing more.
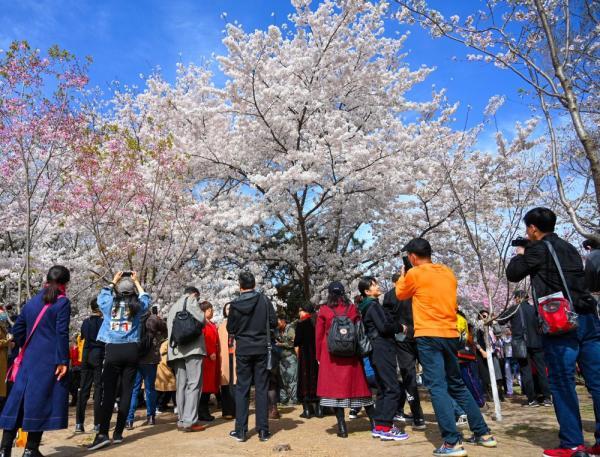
(441, 375)
(147, 373)
(458, 411)
(581, 346)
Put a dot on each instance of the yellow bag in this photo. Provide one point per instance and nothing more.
(21, 438)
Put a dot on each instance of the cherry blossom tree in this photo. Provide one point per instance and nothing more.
(39, 127)
(552, 47)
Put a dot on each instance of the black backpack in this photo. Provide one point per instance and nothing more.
(186, 328)
(146, 336)
(341, 341)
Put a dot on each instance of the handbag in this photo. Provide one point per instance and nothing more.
(519, 345)
(11, 374)
(555, 312)
(363, 343)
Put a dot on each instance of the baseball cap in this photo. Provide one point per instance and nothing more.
(336, 288)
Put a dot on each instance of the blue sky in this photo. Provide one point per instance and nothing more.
(127, 38)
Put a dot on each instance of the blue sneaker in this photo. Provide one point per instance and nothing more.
(376, 433)
(453, 450)
(395, 434)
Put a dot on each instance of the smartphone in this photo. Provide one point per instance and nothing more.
(407, 264)
(126, 273)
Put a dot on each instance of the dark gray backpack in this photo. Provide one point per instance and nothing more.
(186, 328)
(341, 340)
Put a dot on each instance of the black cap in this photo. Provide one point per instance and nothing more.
(418, 246)
(336, 288)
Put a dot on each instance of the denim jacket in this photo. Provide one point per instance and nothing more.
(116, 327)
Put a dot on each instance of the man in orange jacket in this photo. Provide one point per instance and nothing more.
(432, 288)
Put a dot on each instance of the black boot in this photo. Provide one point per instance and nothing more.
(341, 423)
(306, 413)
(319, 410)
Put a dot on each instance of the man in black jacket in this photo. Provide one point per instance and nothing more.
(249, 316)
(406, 354)
(525, 328)
(562, 352)
(91, 366)
(592, 266)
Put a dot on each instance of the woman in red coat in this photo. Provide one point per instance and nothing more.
(342, 382)
(211, 372)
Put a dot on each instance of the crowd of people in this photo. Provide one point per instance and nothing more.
(334, 356)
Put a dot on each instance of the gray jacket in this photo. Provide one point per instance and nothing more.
(194, 348)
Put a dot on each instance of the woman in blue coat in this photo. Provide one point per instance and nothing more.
(39, 397)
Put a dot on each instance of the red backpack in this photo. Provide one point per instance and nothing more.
(556, 314)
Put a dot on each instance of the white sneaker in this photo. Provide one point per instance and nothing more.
(175, 410)
(462, 420)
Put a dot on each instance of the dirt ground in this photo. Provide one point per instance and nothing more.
(523, 433)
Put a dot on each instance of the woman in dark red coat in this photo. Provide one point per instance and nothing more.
(211, 372)
(342, 382)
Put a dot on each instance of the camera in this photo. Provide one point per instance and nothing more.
(520, 242)
(126, 273)
(407, 264)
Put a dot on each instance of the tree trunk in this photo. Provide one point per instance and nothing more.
(570, 102)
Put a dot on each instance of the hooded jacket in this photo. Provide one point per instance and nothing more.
(247, 321)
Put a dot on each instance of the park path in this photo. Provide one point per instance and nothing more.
(523, 433)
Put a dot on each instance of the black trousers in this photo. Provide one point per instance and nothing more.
(164, 398)
(120, 361)
(228, 400)
(8, 437)
(407, 355)
(249, 367)
(384, 363)
(535, 356)
(91, 374)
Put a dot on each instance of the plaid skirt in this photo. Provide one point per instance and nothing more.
(347, 402)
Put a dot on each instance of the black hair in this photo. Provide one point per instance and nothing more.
(520, 294)
(57, 277)
(94, 304)
(132, 302)
(205, 305)
(591, 244)
(395, 277)
(543, 218)
(308, 308)
(154, 310)
(246, 280)
(334, 300)
(225, 310)
(419, 247)
(365, 283)
(191, 290)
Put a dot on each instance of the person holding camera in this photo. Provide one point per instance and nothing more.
(406, 354)
(122, 302)
(432, 288)
(571, 328)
